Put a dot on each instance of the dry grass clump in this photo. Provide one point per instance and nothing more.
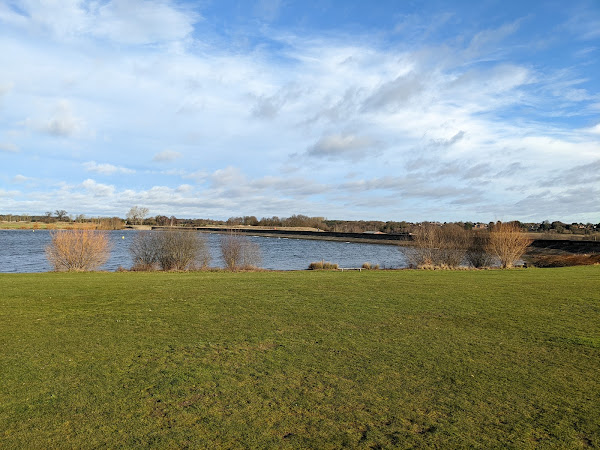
(323, 265)
(78, 250)
(445, 267)
(369, 266)
(566, 260)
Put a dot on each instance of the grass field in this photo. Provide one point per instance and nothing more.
(375, 359)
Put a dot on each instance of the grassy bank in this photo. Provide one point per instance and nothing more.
(302, 359)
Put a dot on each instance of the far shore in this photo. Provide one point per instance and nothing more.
(542, 242)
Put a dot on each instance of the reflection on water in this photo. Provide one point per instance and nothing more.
(23, 251)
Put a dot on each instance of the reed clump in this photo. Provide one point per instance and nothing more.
(323, 265)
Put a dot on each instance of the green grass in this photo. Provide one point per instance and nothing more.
(371, 359)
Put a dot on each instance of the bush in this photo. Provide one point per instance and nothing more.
(78, 250)
(143, 250)
(508, 242)
(239, 252)
(169, 250)
(477, 254)
(323, 265)
(368, 266)
(437, 246)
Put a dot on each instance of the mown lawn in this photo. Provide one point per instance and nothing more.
(383, 359)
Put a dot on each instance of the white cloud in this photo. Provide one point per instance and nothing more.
(143, 21)
(396, 93)
(135, 22)
(228, 177)
(8, 194)
(63, 122)
(98, 189)
(8, 147)
(106, 169)
(20, 179)
(595, 129)
(166, 156)
(412, 119)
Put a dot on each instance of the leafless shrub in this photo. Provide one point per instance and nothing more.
(323, 265)
(437, 246)
(508, 242)
(239, 252)
(78, 250)
(477, 253)
(169, 250)
(143, 250)
(181, 250)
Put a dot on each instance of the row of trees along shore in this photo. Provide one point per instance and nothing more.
(447, 246)
(139, 216)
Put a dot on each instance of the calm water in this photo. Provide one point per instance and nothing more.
(23, 251)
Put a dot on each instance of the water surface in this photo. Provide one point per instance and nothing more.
(23, 251)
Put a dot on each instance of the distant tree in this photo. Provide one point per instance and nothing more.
(60, 214)
(137, 214)
(250, 220)
(162, 221)
(508, 242)
(233, 221)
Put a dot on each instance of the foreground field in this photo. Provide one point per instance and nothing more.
(302, 359)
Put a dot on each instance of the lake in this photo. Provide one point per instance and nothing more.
(23, 251)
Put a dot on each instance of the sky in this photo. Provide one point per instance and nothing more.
(344, 109)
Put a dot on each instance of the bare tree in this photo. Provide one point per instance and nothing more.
(169, 250)
(61, 214)
(239, 252)
(78, 250)
(137, 214)
(435, 245)
(508, 242)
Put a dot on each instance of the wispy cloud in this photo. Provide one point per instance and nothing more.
(8, 147)
(344, 146)
(106, 169)
(269, 107)
(166, 156)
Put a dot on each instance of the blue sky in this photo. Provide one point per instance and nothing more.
(391, 110)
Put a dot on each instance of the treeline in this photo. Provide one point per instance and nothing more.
(296, 221)
(98, 223)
